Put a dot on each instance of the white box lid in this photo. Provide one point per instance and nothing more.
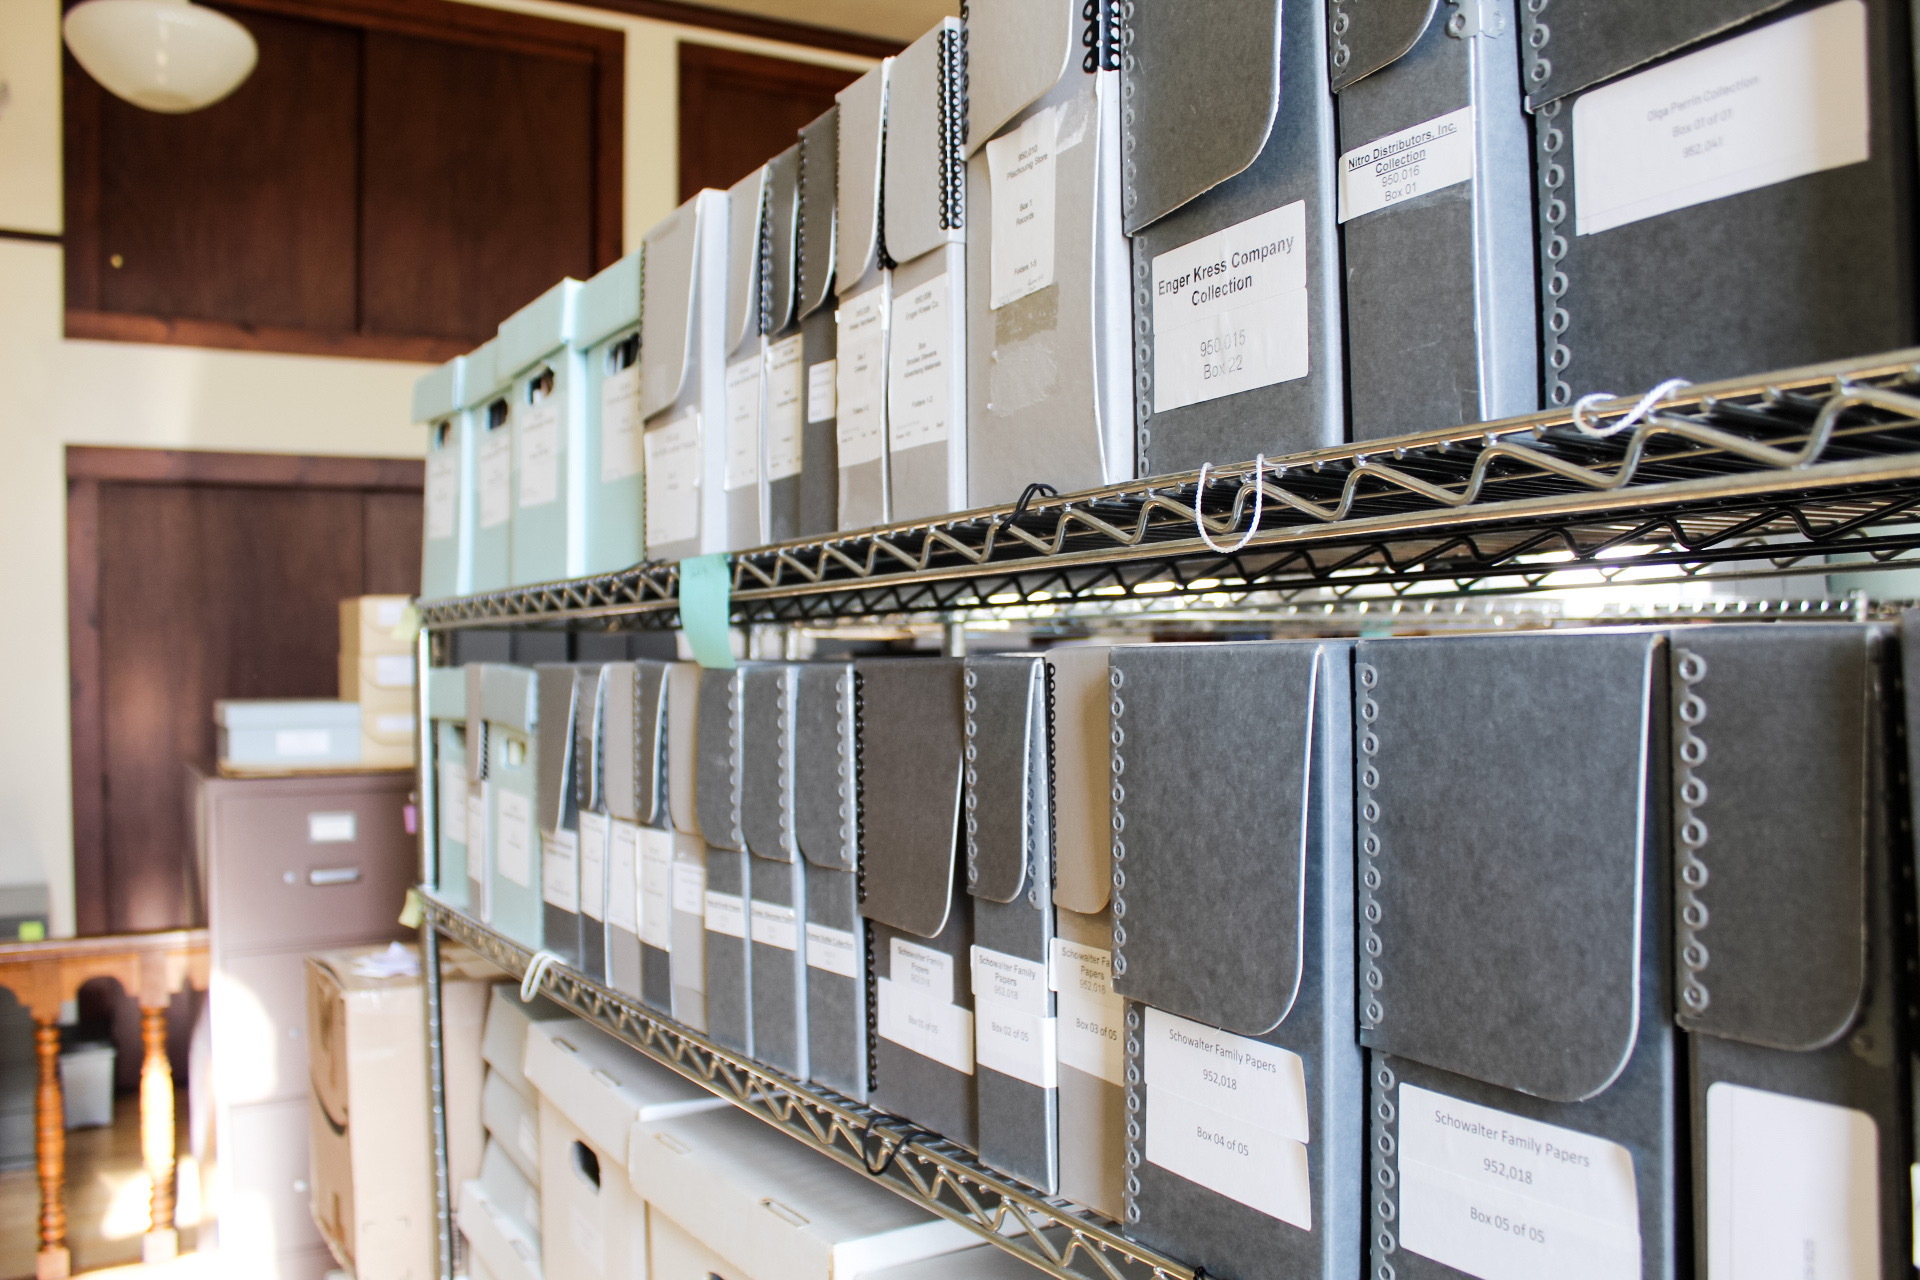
(286, 713)
(603, 1086)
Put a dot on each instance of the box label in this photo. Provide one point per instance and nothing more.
(390, 725)
(620, 430)
(623, 884)
(922, 969)
(1412, 162)
(1015, 982)
(917, 402)
(833, 950)
(330, 828)
(393, 670)
(784, 407)
(673, 481)
(1016, 1043)
(560, 870)
(820, 390)
(493, 478)
(657, 888)
(1505, 1198)
(514, 847)
(443, 491)
(689, 888)
(726, 913)
(479, 842)
(1786, 100)
(774, 926)
(1792, 1186)
(743, 422)
(1260, 1084)
(925, 1025)
(540, 454)
(1090, 1014)
(860, 382)
(1230, 310)
(1256, 1167)
(594, 837)
(289, 743)
(1020, 172)
(453, 802)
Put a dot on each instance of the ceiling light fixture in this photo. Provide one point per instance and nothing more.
(163, 55)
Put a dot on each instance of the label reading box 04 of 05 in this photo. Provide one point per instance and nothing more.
(673, 481)
(916, 1008)
(1505, 1198)
(620, 432)
(917, 367)
(1230, 310)
(1014, 1033)
(1412, 162)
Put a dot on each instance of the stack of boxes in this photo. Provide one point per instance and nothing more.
(376, 671)
(499, 1212)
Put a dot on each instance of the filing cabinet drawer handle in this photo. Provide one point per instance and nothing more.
(321, 876)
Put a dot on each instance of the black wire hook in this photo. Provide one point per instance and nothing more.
(1027, 495)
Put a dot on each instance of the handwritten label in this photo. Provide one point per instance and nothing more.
(784, 407)
(1412, 162)
(917, 402)
(620, 429)
(673, 481)
(1020, 171)
(861, 377)
(1230, 310)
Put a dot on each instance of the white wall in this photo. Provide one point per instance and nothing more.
(55, 392)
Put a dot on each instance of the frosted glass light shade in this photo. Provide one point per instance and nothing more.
(164, 55)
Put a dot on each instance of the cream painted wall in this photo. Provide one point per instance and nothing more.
(55, 392)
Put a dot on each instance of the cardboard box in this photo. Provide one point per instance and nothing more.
(776, 873)
(862, 282)
(674, 1254)
(683, 379)
(504, 1048)
(490, 413)
(548, 393)
(512, 1120)
(446, 544)
(746, 354)
(499, 1213)
(785, 419)
(816, 304)
(286, 733)
(825, 768)
(607, 331)
(368, 625)
(729, 955)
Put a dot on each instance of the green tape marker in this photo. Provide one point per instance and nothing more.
(706, 604)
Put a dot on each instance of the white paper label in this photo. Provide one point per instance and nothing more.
(443, 491)
(860, 383)
(726, 913)
(479, 847)
(657, 888)
(1090, 1014)
(1016, 1043)
(1505, 1198)
(393, 670)
(673, 481)
(387, 613)
(302, 742)
(514, 848)
(820, 390)
(560, 870)
(833, 950)
(922, 969)
(494, 477)
(784, 407)
(1082, 971)
(1412, 162)
(1792, 1188)
(926, 1026)
(1018, 983)
(689, 888)
(540, 453)
(1256, 1167)
(593, 865)
(1261, 1083)
(453, 802)
(1230, 310)
(331, 828)
(774, 925)
(917, 366)
(620, 430)
(623, 876)
(1786, 100)
(743, 422)
(392, 724)
(1020, 171)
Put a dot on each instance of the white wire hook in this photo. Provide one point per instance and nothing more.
(536, 971)
(1259, 497)
(1584, 406)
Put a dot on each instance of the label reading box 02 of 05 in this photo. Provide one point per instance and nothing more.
(916, 1009)
(1230, 310)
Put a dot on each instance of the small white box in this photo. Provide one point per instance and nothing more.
(498, 1213)
(279, 732)
(503, 1045)
(513, 1122)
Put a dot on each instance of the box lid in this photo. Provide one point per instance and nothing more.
(982, 1262)
(717, 746)
(783, 213)
(603, 1086)
(1588, 41)
(437, 394)
(286, 713)
(775, 1208)
(504, 1245)
(554, 687)
(1082, 778)
(510, 696)
(1016, 51)
(1374, 35)
(862, 134)
(911, 744)
(503, 1043)
(766, 761)
(672, 251)
(620, 746)
(589, 738)
(746, 223)
(609, 302)
(447, 693)
(536, 330)
(819, 191)
(923, 179)
(1006, 794)
(650, 741)
(481, 380)
(823, 765)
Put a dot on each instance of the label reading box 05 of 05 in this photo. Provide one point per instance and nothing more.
(1230, 1114)
(1412, 162)
(916, 1009)
(620, 432)
(1230, 310)
(673, 481)
(784, 407)
(1014, 1033)
(860, 378)
(540, 454)
(1505, 1198)
(917, 367)
(1786, 100)
(1020, 167)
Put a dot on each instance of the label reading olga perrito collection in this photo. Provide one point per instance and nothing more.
(1230, 310)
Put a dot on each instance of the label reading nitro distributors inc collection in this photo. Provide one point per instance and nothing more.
(1428, 157)
(1230, 310)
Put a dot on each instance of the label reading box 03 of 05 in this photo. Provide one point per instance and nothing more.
(1230, 310)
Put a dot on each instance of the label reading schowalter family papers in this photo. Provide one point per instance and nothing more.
(560, 870)
(820, 390)
(1262, 1084)
(784, 407)
(726, 913)
(1230, 310)
(689, 888)
(656, 888)
(540, 453)
(774, 926)
(443, 491)
(494, 478)
(514, 852)
(1792, 1186)
(1505, 1198)
(1020, 172)
(917, 366)
(1088, 1012)
(594, 836)
(1254, 1166)
(927, 1026)
(1015, 982)
(673, 481)
(743, 422)
(620, 431)
(832, 950)
(860, 380)
(1787, 100)
(623, 876)
(453, 802)
(1412, 162)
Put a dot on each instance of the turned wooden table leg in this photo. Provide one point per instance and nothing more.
(156, 1135)
(50, 1150)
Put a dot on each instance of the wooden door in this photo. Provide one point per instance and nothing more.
(740, 110)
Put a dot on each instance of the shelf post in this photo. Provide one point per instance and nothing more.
(50, 1152)
(162, 1242)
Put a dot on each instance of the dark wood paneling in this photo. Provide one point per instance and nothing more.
(85, 707)
(747, 24)
(243, 212)
(739, 110)
(393, 525)
(107, 326)
(276, 470)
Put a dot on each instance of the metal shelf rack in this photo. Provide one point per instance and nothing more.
(1757, 477)
(1066, 1241)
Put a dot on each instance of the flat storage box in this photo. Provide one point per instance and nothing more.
(446, 544)
(86, 1084)
(545, 378)
(276, 733)
(607, 331)
(499, 1213)
(490, 418)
